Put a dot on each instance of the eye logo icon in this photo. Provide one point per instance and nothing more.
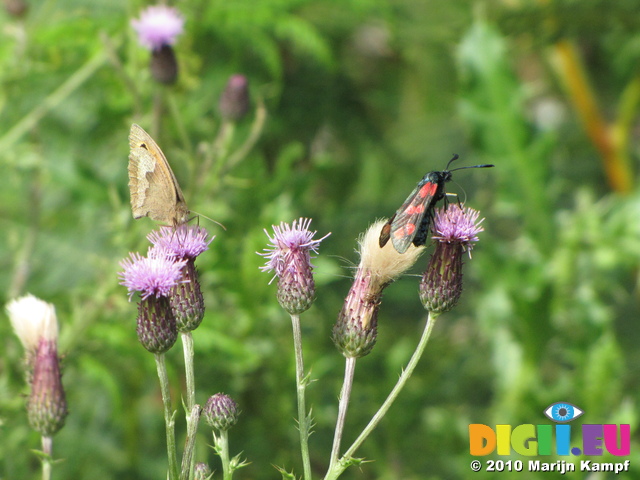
(562, 412)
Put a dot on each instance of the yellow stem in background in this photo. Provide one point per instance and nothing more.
(611, 143)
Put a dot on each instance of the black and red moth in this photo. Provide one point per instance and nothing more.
(411, 221)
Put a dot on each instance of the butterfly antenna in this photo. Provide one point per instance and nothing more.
(210, 219)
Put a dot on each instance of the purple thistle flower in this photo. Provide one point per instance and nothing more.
(289, 256)
(456, 229)
(154, 275)
(457, 225)
(158, 26)
(186, 241)
(287, 241)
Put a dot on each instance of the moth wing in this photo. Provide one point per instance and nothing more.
(407, 221)
(385, 233)
(154, 190)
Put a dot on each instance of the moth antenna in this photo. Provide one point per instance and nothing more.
(486, 165)
(455, 157)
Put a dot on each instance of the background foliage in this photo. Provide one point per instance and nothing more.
(363, 98)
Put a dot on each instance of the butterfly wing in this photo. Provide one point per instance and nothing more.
(409, 220)
(153, 186)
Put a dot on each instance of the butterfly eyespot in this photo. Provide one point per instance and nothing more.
(562, 412)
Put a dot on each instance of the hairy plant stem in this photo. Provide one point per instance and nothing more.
(191, 414)
(188, 457)
(337, 468)
(345, 395)
(47, 460)
(169, 417)
(222, 448)
(304, 420)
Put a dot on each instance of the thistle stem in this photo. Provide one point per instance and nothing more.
(192, 417)
(301, 384)
(188, 457)
(339, 467)
(47, 449)
(187, 347)
(345, 395)
(169, 418)
(222, 448)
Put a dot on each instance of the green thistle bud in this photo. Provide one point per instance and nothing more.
(201, 471)
(47, 405)
(221, 412)
(164, 65)
(157, 331)
(186, 299)
(296, 289)
(441, 284)
(356, 330)
(234, 102)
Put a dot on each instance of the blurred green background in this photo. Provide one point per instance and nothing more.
(362, 99)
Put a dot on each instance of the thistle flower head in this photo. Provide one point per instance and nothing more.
(457, 224)
(287, 242)
(356, 329)
(158, 26)
(221, 412)
(36, 325)
(234, 100)
(154, 275)
(33, 319)
(384, 264)
(289, 256)
(186, 241)
(456, 230)
(47, 404)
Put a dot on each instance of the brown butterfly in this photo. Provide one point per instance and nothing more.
(155, 192)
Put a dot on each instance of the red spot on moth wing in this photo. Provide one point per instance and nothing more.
(405, 231)
(428, 188)
(414, 209)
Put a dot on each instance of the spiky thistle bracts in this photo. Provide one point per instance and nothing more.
(456, 230)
